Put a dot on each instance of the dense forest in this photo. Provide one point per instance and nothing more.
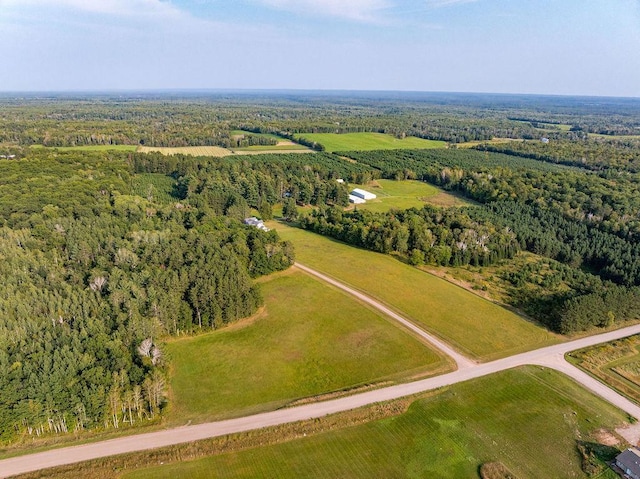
(106, 253)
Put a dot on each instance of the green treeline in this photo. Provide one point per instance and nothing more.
(611, 202)
(92, 278)
(578, 244)
(446, 237)
(230, 185)
(597, 155)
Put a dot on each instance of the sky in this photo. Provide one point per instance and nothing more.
(565, 47)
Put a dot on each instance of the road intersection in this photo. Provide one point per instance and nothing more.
(550, 356)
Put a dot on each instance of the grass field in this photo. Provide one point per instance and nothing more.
(475, 326)
(403, 195)
(368, 141)
(616, 363)
(312, 339)
(188, 150)
(91, 147)
(529, 419)
(154, 187)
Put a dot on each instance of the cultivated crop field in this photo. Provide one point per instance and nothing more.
(404, 195)
(369, 141)
(216, 151)
(311, 339)
(475, 326)
(616, 363)
(529, 419)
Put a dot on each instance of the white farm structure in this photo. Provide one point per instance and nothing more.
(365, 195)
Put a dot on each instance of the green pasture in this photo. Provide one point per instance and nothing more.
(369, 141)
(477, 327)
(401, 195)
(529, 419)
(311, 339)
(91, 147)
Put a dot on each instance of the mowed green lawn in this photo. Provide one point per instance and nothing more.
(529, 419)
(312, 339)
(400, 195)
(475, 326)
(369, 141)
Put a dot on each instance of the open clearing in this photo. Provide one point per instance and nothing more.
(311, 340)
(475, 326)
(368, 141)
(529, 419)
(616, 363)
(404, 195)
(217, 151)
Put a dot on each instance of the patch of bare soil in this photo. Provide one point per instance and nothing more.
(605, 437)
(631, 433)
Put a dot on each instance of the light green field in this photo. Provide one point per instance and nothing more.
(475, 326)
(403, 195)
(91, 147)
(369, 141)
(529, 419)
(312, 339)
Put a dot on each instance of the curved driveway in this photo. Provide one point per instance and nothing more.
(550, 356)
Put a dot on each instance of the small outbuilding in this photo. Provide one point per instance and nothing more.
(253, 221)
(356, 200)
(629, 462)
(365, 195)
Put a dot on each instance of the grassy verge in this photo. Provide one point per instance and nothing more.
(530, 419)
(311, 340)
(369, 141)
(475, 326)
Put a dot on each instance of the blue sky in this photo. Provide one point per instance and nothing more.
(582, 47)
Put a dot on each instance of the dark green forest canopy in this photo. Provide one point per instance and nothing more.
(208, 118)
(105, 253)
(93, 277)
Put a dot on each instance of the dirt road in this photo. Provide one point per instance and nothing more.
(551, 356)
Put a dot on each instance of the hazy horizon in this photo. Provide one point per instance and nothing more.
(533, 47)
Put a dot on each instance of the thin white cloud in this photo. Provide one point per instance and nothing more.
(447, 3)
(358, 10)
(105, 7)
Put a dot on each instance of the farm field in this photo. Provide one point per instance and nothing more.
(404, 195)
(216, 151)
(529, 419)
(310, 339)
(368, 141)
(616, 364)
(477, 327)
(91, 147)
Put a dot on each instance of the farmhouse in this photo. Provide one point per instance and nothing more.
(629, 462)
(356, 200)
(253, 221)
(365, 195)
